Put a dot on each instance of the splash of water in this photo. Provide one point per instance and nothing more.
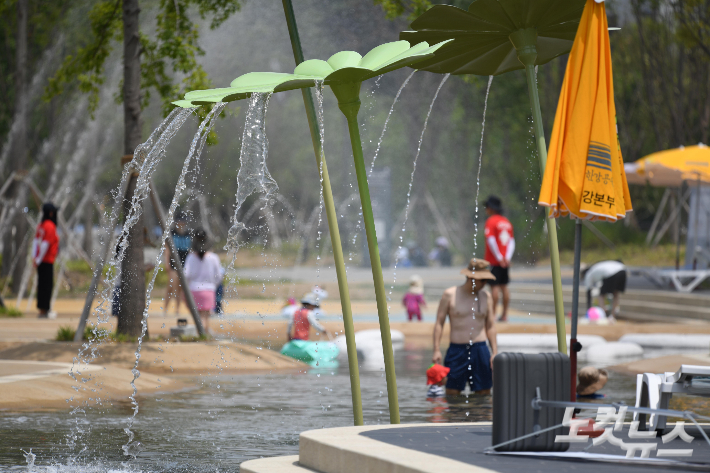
(30, 459)
(253, 174)
(414, 170)
(132, 448)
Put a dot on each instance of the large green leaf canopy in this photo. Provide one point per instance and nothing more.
(341, 68)
(481, 35)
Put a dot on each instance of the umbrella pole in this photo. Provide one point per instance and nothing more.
(678, 227)
(575, 346)
(697, 221)
(348, 96)
(329, 205)
(524, 41)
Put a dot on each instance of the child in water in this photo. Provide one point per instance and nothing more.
(591, 380)
(413, 300)
(436, 379)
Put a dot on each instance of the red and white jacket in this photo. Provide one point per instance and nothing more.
(45, 245)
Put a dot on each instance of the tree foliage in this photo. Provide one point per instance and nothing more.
(413, 8)
(44, 22)
(169, 57)
(694, 23)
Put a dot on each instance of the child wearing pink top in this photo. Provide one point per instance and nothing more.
(413, 300)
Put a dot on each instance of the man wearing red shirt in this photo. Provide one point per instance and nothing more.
(500, 246)
(44, 251)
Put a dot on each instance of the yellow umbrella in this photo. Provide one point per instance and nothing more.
(585, 175)
(672, 167)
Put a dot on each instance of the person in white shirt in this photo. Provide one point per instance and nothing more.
(603, 278)
(203, 272)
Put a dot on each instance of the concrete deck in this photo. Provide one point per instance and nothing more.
(287, 464)
(433, 448)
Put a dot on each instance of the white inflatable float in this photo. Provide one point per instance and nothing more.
(540, 342)
(369, 348)
(610, 352)
(661, 341)
(594, 347)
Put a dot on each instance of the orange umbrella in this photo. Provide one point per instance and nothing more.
(584, 176)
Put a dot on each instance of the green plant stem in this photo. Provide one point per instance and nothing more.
(525, 41)
(332, 218)
(350, 105)
(551, 223)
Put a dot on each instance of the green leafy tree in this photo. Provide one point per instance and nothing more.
(174, 49)
(27, 27)
(694, 23)
(149, 63)
(413, 8)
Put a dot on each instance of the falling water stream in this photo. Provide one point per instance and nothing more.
(387, 120)
(414, 170)
(145, 158)
(358, 224)
(478, 172)
(321, 130)
(132, 447)
(253, 174)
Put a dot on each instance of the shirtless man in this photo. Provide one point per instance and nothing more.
(470, 311)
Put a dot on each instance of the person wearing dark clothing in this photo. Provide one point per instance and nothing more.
(605, 278)
(45, 247)
(441, 252)
(417, 256)
(183, 243)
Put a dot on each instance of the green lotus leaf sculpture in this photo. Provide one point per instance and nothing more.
(484, 36)
(345, 67)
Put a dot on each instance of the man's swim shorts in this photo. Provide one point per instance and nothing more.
(469, 363)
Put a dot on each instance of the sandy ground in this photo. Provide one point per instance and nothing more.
(160, 358)
(258, 320)
(35, 375)
(33, 385)
(34, 368)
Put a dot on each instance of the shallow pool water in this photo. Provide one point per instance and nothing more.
(230, 419)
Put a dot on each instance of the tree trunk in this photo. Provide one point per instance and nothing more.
(132, 294)
(18, 154)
